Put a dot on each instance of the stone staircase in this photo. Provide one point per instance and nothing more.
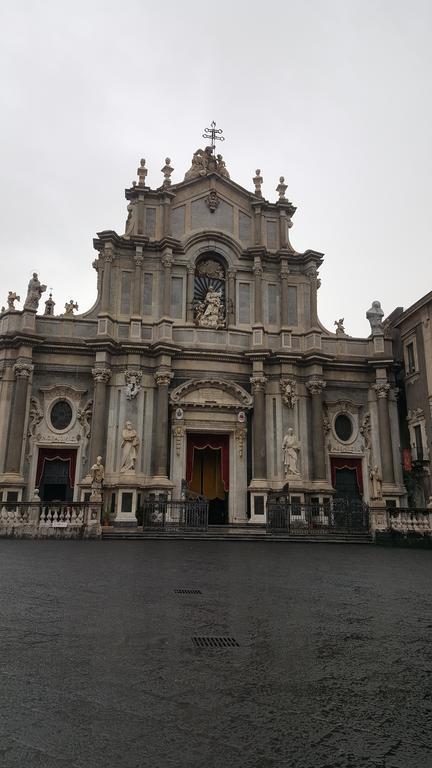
(234, 533)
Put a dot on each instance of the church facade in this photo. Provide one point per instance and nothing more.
(202, 362)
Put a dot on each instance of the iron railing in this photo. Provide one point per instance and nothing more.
(187, 514)
(338, 516)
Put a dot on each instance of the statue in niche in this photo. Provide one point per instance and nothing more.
(375, 315)
(376, 482)
(210, 312)
(34, 292)
(97, 474)
(290, 450)
(129, 448)
(133, 383)
(209, 294)
(12, 297)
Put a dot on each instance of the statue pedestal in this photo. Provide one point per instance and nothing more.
(126, 505)
(378, 516)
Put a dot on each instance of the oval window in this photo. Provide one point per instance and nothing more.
(61, 414)
(343, 427)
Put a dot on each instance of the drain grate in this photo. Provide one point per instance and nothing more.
(188, 591)
(215, 642)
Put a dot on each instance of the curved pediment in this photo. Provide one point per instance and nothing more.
(211, 393)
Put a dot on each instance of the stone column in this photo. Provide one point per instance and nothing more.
(136, 297)
(160, 456)
(315, 387)
(190, 289)
(259, 434)
(108, 257)
(258, 271)
(382, 389)
(101, 378)
(258, 226)
(231, 313)
(284, 272)
(167, 260)
(313, 280)
(22, 370)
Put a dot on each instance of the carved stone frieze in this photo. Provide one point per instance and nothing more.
(415, 414)
(240, 436)
(179, 433)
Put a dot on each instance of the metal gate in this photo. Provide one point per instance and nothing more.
(172, 515)
(336, 516)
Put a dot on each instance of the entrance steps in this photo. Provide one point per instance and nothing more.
(234, 533)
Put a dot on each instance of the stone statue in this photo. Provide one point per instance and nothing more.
(97, 474)
(210, 312)
(130, 222)
(376, 482)
(375, 315)
(12, 296)
(70, 306)
(34, 292)
(290, 450)
(129, 448)
(340, 330)
(204, 162)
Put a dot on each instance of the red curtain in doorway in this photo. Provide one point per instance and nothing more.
(61, 454)
(340, 463)
(200, 442)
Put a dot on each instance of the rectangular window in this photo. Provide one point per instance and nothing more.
(150, 222)
(147, 293)
(418, 442)
(244, 228)
(125, 293)
(177, 297)
(272, 235)
(244, 303)
(292, 305)
(272, 305)
(411, 357)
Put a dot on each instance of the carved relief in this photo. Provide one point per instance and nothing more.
(212, 200)
(213, 393)
(258, 383)
(315, 385)
(289, 392)
(240, 436)
(22, 369)
(382, 389)
(179, 433)
(133, 383)
(101, 375)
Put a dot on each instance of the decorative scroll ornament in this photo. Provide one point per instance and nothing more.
(240, 436)
(382, 389)
(101, 375)
(212, 200)
(258, 383)
(23, 370)
(288, 389)
(179, 433)
(365, 431)
(84, 417)
(133, 383)
(210, 268)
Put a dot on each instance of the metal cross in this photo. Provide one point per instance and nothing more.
(211, 134)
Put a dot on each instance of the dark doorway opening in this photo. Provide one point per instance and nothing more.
(346, 484)
(206, 474)
(56, 475)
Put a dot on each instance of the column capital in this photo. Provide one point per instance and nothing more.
(315, 386)
(190, 269)
(257, 266)
(258, 382)
(167, 260)
(139, 255)
(163, 378)
(284, 270)
(231, 272)
(382, 389)
(101, 375)
(23, 369)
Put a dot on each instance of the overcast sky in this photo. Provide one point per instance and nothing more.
(333, 94)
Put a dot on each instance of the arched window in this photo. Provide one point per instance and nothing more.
(209, 302)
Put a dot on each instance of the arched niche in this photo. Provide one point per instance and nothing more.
(209, 304)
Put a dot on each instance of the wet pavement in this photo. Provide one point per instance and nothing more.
(99, 668)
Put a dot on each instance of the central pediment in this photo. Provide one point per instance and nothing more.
(211, 393)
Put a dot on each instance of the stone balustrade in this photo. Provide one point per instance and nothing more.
(35, 520)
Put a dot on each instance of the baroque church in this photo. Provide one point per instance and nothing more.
(202, 365)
